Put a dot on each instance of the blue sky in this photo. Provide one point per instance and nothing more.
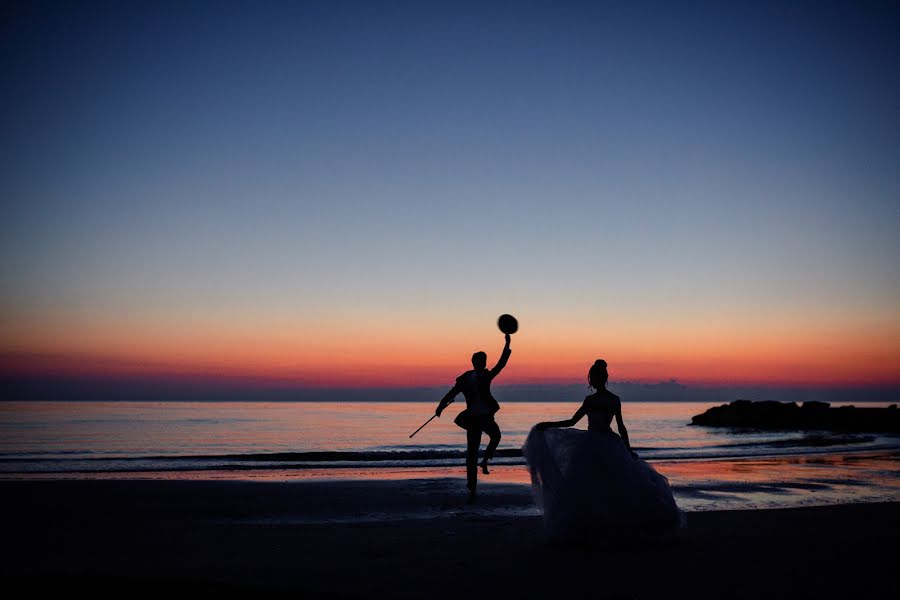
(652, 166)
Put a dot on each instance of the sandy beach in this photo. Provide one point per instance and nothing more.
(414, 539)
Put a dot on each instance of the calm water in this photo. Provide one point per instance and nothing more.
(709, 467)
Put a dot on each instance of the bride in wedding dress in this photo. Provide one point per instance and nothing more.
(591, 483)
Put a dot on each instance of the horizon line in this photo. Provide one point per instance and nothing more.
(262, 382)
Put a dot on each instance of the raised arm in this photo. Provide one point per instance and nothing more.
(448, 399)
(567, 423)
(504, 357)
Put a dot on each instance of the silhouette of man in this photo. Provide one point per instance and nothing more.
(478, 416)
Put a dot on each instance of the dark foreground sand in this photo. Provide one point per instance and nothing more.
(134, 538)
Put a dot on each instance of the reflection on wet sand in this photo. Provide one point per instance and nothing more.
(699, 485)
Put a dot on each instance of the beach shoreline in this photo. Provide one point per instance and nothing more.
(116, 537)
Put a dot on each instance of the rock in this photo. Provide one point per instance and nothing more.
(811, 416)
(814, 405)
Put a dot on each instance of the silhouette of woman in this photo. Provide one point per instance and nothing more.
(591, 482)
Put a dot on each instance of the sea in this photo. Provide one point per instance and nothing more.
(709, 468)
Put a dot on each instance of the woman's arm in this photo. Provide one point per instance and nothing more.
(567, 423)
(623, 433)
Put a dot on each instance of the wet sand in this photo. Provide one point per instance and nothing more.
(414, 539)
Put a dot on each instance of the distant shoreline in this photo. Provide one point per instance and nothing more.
(74, 389)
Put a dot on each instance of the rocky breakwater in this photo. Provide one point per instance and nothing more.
(809, 416)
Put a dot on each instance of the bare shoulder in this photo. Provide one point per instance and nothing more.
(602, 400)
(608, 398)
(596, 401)
(615, 403)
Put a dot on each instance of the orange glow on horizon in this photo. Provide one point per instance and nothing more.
(395, 368)
(399, 351)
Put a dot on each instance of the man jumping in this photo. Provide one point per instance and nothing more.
(478, 416)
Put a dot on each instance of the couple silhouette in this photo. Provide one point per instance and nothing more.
(582, 480)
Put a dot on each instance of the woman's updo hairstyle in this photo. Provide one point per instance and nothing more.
(598, 374)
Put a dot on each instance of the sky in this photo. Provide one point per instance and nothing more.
(348, 194)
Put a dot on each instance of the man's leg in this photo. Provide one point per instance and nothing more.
(493, 430)
(473, 440)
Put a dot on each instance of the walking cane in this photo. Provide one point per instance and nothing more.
(423, 425)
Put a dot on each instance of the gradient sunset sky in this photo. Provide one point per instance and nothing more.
(350, 193)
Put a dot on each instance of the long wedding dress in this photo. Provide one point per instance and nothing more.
(589, 484)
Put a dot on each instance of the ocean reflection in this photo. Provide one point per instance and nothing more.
(708, 468)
